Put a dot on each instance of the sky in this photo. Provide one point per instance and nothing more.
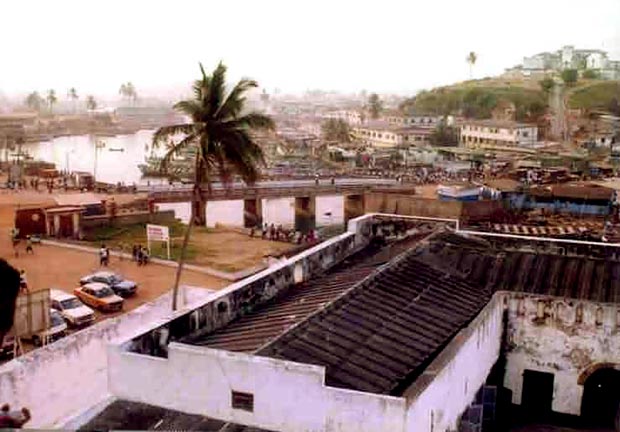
(387, 46)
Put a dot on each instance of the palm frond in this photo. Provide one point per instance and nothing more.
(252, 120)
(164, 133)
(216, 89)
(190, 107)
(232, 106)
(174, 149)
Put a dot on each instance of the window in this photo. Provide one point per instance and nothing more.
(243, 401)
(525, 134)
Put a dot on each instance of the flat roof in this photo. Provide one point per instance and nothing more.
(498, 123)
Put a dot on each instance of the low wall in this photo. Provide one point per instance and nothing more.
(449, 384)
(70, 375)
(411, 205)
(241, 297)
(161, 217)
(563, 337)
(200, 380)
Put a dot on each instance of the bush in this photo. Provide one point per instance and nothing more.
(569, 76)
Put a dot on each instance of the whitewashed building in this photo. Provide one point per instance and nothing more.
(380, 134)
(485, 133)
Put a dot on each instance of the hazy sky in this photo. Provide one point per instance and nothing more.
(381, 45)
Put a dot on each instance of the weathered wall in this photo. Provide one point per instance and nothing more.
(199, 380)
(70, 375)
(559, 336)
(411, 205)
(241, 297)
(161, 217)
(449, 384)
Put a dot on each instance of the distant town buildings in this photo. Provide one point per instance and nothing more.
(483, 133)
(385, 135)
(568, 58)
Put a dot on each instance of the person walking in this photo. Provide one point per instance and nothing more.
(107, 256)
(145, 256)
(139, 253)
(29, 248)
(23, 283)
(134, 252)
(102, 255)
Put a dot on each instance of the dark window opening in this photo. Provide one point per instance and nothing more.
(243, 401)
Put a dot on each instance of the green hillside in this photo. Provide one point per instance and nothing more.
(599, 95)
(477, 99)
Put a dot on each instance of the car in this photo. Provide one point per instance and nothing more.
(56, 330)
(99, 296)
(119, 285)
(75, 312)
(7, 346)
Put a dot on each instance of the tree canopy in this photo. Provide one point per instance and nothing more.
(570, 76)
(336, 130)
(375, 105)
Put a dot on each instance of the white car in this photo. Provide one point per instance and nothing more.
(56, 330)
(71, 308)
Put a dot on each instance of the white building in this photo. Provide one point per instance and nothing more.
(485, 133)
(412, 120)
(385, 135)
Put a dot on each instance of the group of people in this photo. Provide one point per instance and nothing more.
(140, 254)
(278, 233)
(15, 240)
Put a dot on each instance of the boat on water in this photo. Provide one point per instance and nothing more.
(459, 192)
(117, 149)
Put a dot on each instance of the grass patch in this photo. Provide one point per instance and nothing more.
(598, 95)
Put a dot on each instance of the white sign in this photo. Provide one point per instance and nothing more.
(157, 233)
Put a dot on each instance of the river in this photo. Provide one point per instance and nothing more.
(77, 153)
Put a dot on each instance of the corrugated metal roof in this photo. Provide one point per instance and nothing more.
(381, 335)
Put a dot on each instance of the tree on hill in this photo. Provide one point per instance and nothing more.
(128, 92)
(546, 84)
(591, 74)
(91, 103)
(51, 99)
(34, 101)
(375, 105)
(336, 130)
(471, 59)
(220, 131)
(444, 135)
(569, 76)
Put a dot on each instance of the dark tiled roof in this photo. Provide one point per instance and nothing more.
(125, 415)
(256, 328)
(579, 277)
(381, 335)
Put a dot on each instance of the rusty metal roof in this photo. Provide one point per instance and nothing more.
(380, 336)
(572, 276)
(251, 331)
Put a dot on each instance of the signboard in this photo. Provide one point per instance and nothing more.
(158, 233)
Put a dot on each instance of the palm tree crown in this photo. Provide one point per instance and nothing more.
(472, 57)
(219, 130)
(219, 134)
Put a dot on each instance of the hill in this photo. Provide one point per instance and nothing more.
(604, 95)
(479, 98)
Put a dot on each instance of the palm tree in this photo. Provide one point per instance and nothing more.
(51, 99)
(131, 92)
(472, 57)
(220, 132)
(91, 103)
(72, 94)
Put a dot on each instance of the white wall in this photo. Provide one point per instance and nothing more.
(279, 211)
(70, 375)
(448, 386)
(225, 212)
(554, 342)
(333, 204)
(288, 396)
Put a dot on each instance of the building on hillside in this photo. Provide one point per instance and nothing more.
(352, 117)
(568, 58)
(404, 120)
(487, 133)
(384, 135)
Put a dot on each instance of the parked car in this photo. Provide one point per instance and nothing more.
(71, 308)
(7, 346)
(56, 330)
(119, 285)
(99, 296)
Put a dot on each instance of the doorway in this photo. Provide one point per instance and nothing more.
(537, 394)
(601, 398)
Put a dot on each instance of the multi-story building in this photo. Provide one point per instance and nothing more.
(385, 135)
(412, 120)
(485, 133)
(352, 117)
(569, 58)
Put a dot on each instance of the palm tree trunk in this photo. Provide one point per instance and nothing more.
(192, 216)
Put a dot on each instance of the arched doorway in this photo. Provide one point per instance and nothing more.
(601, 398)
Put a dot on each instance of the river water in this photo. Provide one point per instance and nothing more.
(77, 153)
